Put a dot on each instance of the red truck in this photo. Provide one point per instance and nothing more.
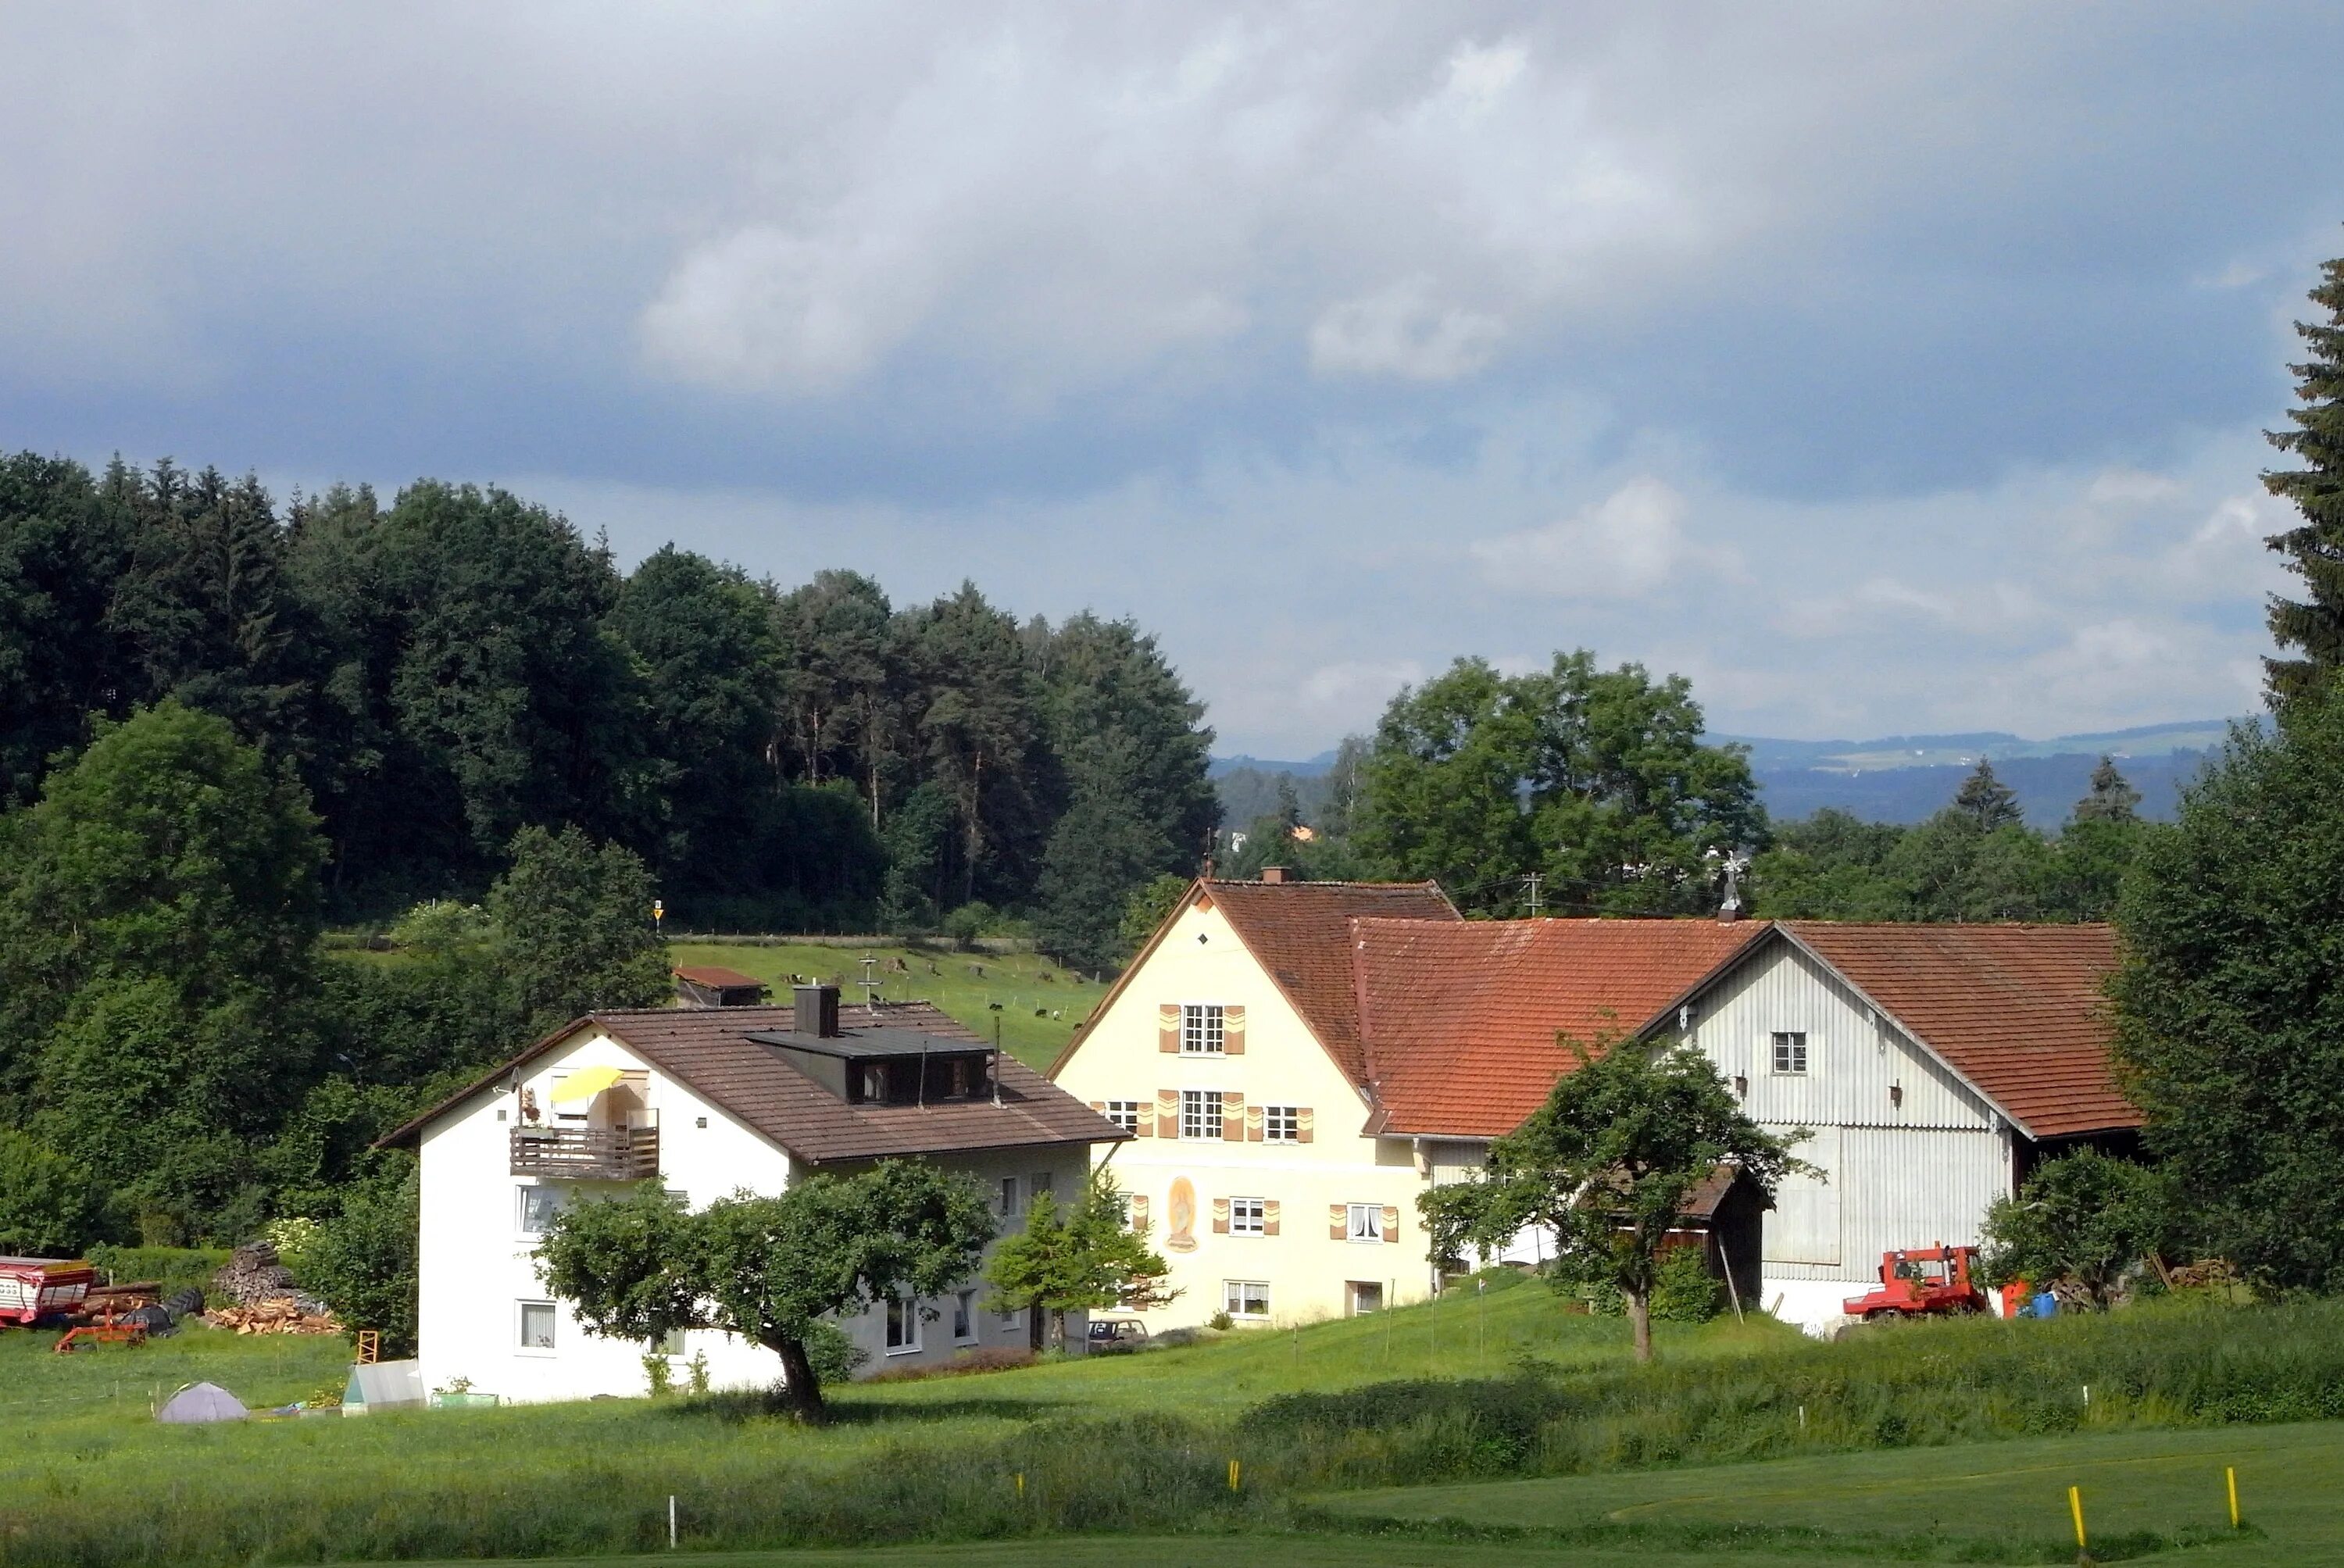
(32, 1288)
(1920, 1283)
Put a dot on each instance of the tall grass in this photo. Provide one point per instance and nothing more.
(943, 1461)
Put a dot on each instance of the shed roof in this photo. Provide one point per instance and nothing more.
(717, 976)
(1460, 1019)
(2021, 1011)
(711, 1050)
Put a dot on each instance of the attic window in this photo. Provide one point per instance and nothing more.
(1790, 1052)
(1201, 1029)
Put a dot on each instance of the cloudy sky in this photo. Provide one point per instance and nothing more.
(1880, 367)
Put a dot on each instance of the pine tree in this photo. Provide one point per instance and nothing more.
(2314, 549)
(1987, 801)
(2112, 796)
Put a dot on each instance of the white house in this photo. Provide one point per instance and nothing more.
(711, 1101)
(1935, 1065)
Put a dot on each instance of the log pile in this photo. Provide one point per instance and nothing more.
(254, 1276)
(273, 1315)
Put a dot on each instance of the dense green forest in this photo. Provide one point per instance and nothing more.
(449, 669)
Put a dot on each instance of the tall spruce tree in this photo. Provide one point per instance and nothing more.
(2313, 626)
(2111, 798)
(1987, 801)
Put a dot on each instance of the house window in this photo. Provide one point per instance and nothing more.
(671, 1342)
(535, 1208)
(903, 1325)
(1011, 1206)
(965, 1316)
(1043, 1182)
(1200, 1029)
(1011, 1319)
(537, 1325)
(1281, 1124)
(1125, 1114)
(1245, 1216)
(1790, 1053)
(1365, 1222)
(1201, 1113)
(1246, 1297)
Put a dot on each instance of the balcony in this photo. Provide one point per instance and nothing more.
(586, 1154)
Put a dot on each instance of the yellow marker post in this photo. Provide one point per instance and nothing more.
(1021, 1483)
(2075, 1507)
(1233, 1478)
(2230, 1474)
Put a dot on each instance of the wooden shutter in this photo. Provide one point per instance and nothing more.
(1147, 1128)
(1139, 1212)
(1167, 1112)
(1233, 1118)
(1220, 1217)
(1392, 1224)
(1253, 1123)
(1269, 1216)
(1167, 1029)
(1100, 1106)
(1233, 1031)
(1336, 1230)
(1302, 1121)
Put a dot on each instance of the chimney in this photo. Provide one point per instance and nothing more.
(1273, 874)
(817, 1011)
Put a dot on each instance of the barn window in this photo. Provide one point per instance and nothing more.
(1790, 1052)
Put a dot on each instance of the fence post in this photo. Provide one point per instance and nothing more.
(671, 1521)
(2230, 1474)
(2075, 1507)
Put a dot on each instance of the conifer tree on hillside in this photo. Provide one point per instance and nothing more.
(2111, 798)
(2313, 627)
(1987, 801)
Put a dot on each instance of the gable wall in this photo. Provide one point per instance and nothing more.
(1306, 1267)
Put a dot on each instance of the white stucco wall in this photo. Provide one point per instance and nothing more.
(477, 1267)
(1309, 1272)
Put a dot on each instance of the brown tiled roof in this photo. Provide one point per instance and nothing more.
(1300, 934)
(2018, 1010)
(708, 1049)
(714, 976)
(1461, 1019)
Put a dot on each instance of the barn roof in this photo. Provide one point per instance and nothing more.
(2020, 1011)
(1460, 1019)
(712, 1052)
(716, 977)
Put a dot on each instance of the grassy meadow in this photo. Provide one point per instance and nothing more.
(1489, 1428)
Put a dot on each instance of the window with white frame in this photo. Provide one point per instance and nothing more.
(1201, 1113)
(537, 1325)
(1281, 1124)
(671, 1342)
(1246, 1297)
(1200, 1029)
(1790, 1052)
(1123, 1113)
(1364, 1221)
(1012, 1201)
(1247, 1216)
(903, 1325)
(535, 1207)
(965, 1316)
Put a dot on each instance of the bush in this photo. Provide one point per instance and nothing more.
(50, 1207)
(833, 1357)
(990, 1359)
(362, 1261)
(176, 1269)
(1685, 1291)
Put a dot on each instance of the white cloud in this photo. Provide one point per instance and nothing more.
(1400, 330)
(760, 308)
(1630, 544)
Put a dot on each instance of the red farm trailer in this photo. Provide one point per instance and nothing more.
(32, 1288)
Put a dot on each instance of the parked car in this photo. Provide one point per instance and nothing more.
(1110, 1336)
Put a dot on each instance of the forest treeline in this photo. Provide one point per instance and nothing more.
(445, 670)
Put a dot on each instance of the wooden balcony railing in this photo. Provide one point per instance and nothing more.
(586, 1154)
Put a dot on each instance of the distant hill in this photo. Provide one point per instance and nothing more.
(1893, 778)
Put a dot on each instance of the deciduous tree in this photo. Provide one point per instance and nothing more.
(1077, 1259)
(2084, 1217)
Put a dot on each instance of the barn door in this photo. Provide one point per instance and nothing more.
(1804, 1225)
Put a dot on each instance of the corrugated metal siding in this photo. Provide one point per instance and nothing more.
(1852, 1061)
(1456, 1161)
(1900, 1188)
(1805, 1226)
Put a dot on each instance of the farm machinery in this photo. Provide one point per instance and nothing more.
(32, 1288)
(1922, 1282)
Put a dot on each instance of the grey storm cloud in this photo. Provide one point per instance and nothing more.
(1879, 368)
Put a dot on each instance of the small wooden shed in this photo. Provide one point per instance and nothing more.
(713, 985)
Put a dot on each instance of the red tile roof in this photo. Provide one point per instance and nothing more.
(1300, 933)
(718, 977)
(1461, 1019)
(708, 1049)
(2018, 1010)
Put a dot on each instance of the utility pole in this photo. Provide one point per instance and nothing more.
(1532, 882)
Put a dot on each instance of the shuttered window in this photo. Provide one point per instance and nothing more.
(1363, 1222)
(1202, 1030)
(1248, 1216)
(1201, 1113)
(1281, 1124)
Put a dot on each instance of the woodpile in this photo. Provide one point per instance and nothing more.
(253, 1277)
(274, 1315)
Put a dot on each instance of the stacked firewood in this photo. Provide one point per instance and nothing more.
(273, 1315)
(254, 1276)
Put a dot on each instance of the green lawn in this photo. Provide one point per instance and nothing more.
(2168, 1485)
(1037, 1015)
(1288, 1549)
